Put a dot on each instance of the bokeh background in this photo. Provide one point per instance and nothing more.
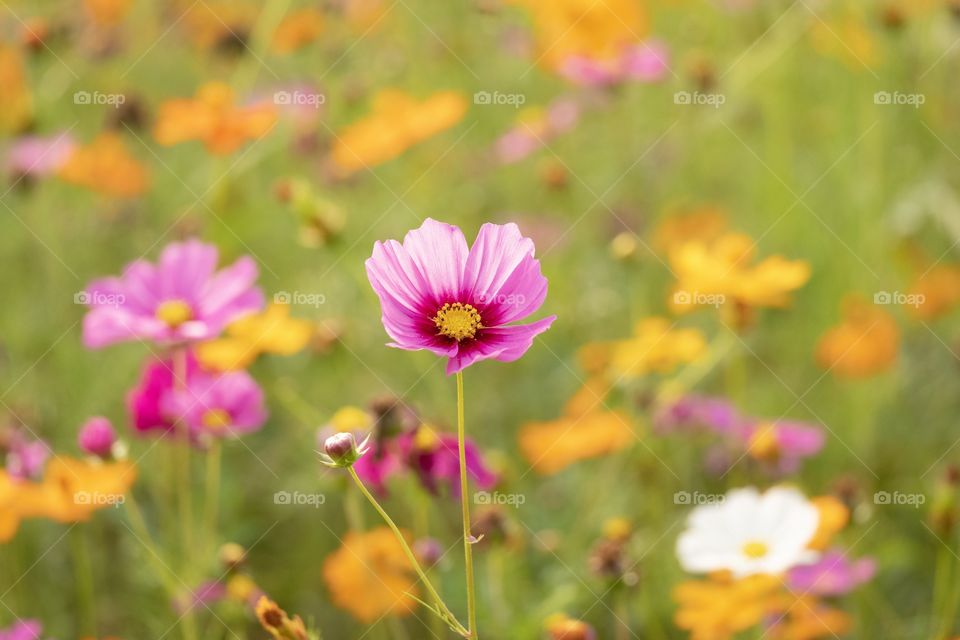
(824, 130)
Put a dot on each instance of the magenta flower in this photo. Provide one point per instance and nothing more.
(22, 630)
(97, 436)
(26, 457)
(438, 294)
(832, 575)
(180, 299)
(211, 404)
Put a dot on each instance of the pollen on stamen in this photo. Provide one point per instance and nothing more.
(458, 321)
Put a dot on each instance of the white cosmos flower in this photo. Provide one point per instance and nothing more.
(750, 533)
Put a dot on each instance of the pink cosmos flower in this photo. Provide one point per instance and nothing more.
(26, 457)
(560, 116)
(646, 62)
(434, 459)
(22, 630)
(438, 294)
(832, 575)
(39, 156)
(212, 405)
(180, 299)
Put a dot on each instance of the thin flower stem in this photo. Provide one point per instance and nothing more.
(214, 455)
(182, 432)
(446, 613)
(465, 508)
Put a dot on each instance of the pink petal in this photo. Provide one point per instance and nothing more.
(505, 344)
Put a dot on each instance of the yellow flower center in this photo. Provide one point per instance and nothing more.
(763, 443)
(458, 321)
(426, 439)
(174, 313)
(755, 549)
(216, 419)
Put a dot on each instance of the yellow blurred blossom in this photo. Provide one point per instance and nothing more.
(720, 273)
(272, 331)
(105, 166)
(656, 346)
(215, 22)
(276, 621)
(17, 104)
(297, 30)
(107, 13)
(397, 122)
(71, 491)
(370, 576)
(864, 343)
(717, 608)
(705, 223)
(834, 516)
(597, 29)
(213, 118)
(848, 39)
(562, 627)
(352, 419)
(803, 617)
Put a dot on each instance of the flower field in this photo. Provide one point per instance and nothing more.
(496, 319)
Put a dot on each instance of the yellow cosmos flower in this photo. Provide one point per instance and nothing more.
(107, 13)
(71, 491)
(105, 166)
(704, 223)
(17, 104)
(718, 608)
(865, 343)
(720, 272)
(272, 331)
(370, 576)
(936, 292)
(396, 123)
(586, 430)
(297, 30)
(597, 29)
(834, 516)
(655, 347)
(805, 618)
(216, 22)
(213, 118)
(847, 38)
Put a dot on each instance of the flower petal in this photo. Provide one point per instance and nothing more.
(505, 344)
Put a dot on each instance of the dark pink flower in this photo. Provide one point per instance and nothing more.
(180, 299)
(211, 404)
(22, 630)
(645, 62)
(832, 575)
(438, 294)
(97, 436)
(26, 457)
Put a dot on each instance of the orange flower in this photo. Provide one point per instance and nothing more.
(396, 123)
(212, 118)
(370, 576)
(718, 608)
(848, 39)
(107, 13)
(585, 430)
(272, 331)
(936, 292)
(597, 29)
(71, 491)
(297, 30)
(863, 344)
(214, 22)
(655, 347)
(17, 104)
(105, 166)
(705, 223)
(834, 516)
(805, 618)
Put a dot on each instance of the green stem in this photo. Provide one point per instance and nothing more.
(442, 607)
(214, 455)
(83, 572)
(465, 508)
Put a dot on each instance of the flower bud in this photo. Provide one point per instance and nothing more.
(342, 450)
(560, 627)
(97, 437)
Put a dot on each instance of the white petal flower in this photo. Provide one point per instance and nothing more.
(750, 533)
